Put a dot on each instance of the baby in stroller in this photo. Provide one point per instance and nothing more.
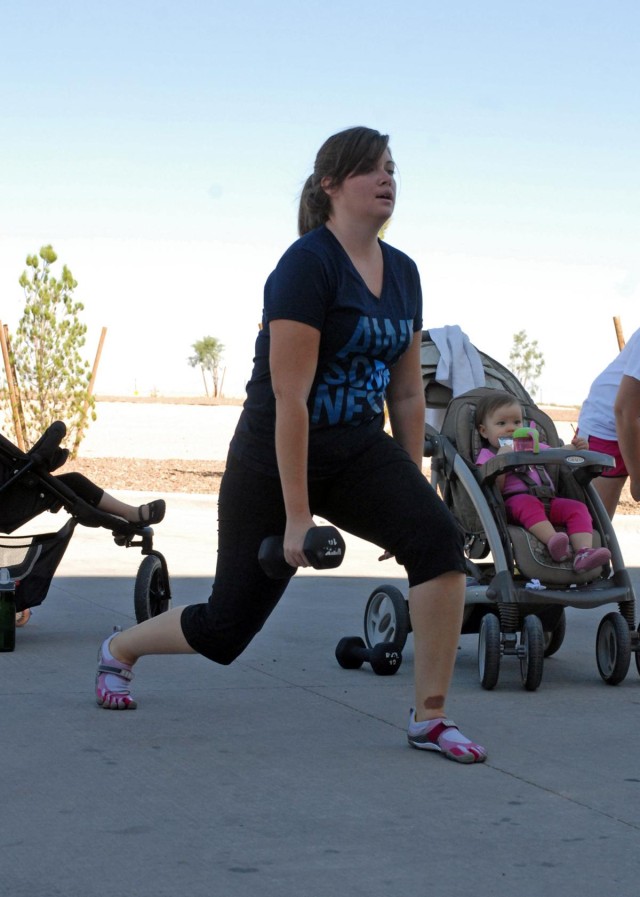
(530, 497)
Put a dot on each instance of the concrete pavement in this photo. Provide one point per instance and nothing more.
(286, 775)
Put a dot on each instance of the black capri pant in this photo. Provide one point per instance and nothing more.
(381, 497)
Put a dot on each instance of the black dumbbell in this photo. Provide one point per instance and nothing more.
(351, 653)
(323, 547)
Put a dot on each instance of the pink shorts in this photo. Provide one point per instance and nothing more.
(609, 447)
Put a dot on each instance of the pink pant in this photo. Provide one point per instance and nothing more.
(527, 510)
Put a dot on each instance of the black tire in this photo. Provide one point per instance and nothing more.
(489, 651)
(386, 618)
(532, 652)
(151, 593)
(554, 639)
(613, 648)
(637, 655)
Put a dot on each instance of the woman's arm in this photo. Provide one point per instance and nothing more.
(627, 411)
(293, 359)
(405, 401)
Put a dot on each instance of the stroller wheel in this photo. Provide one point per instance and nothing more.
(554, 639)
(489, 651)
(531, 652)
(613, 648)
(151, 594)
(386, 618)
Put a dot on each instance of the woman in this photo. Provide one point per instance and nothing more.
(341, 333)
(610, 420)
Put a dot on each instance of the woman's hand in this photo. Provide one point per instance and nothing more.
(294, 536)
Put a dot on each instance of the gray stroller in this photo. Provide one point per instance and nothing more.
(515, 595)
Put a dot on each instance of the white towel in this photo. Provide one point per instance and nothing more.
(460, 366)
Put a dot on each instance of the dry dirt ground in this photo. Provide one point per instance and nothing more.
(151, 476)
(192, 476)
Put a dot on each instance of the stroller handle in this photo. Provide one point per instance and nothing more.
(44, 449)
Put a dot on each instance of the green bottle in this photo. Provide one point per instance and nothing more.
(7, 611)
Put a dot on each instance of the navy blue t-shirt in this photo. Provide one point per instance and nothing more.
(362, 337)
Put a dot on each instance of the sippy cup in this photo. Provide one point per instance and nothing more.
(526, 439)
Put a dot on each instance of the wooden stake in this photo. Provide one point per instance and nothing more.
(13, 395)
(15, 382)
(619, 334)
(94, 372)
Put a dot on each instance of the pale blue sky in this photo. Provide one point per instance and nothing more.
(161, 148)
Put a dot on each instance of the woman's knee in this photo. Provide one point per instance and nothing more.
(434, 554)
(205, 634)
(237, 610)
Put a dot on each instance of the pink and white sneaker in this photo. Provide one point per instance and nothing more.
(112, 681)
(444, 736)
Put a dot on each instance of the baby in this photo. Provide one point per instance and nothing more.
(499, 415)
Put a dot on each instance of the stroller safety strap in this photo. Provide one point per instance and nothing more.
(544, 490)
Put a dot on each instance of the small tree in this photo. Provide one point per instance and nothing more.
(526, 361)
(208, 355)
(52, 377)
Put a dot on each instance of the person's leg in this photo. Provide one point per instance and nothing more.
(250, 507)
(158, 635)
(436, 608)
(384, 499)
(575, 516)
(528, 511)
(609, 486)
(147, 514)
(609, 489)
(543, 531)
(84, 488)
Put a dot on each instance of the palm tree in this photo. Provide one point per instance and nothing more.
(208, 354)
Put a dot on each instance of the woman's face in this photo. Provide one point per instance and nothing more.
(369, 195)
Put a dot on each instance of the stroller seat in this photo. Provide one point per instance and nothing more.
(530, 555)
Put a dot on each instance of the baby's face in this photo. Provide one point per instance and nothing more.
(503, 421)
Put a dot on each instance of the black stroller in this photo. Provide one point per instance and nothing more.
(515, 595)
(27, 489)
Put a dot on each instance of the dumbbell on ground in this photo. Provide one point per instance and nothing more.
(323, 547)
(351, 653)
